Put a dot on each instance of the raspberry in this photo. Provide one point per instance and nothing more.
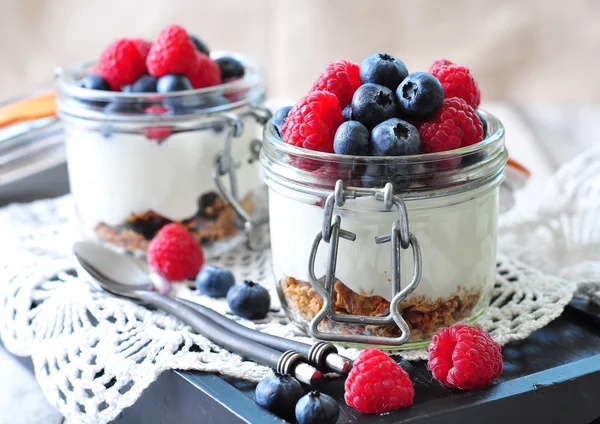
(206, 73)
(340, 78)
(376, 384)
(174, 253)
(120, 63)
(439, 63)
(458, 82)
(465, 357)
(312, 122)
(143, 46)
(158, 133)
(172, 53)
(455, 124)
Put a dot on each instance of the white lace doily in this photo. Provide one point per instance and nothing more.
(94, 354)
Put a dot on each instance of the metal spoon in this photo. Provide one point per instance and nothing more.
(121, 276)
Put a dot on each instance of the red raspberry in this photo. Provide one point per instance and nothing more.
(143, 46)
(206, 73)
(120, 63)
(457, 82)
(376, 384)
(465, 357)
(158, 133)
(340, 78)
(455, 124)
(174, 253)
(172, 53)
(312, 122)
(439, 63)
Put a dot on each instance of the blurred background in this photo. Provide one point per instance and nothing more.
(521, 50)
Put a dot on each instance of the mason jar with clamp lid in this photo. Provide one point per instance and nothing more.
(384, 250)
(138, 161)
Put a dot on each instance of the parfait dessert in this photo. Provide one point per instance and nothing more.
(383, 185)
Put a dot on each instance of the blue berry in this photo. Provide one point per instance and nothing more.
(347, 113)
(483, 123)
(249, 300)
(200, 45)
(406, 366)
(279, 394)
(279, 118)
(351, 138)
(94, 82)
(173, 82)
(395, 137)
(419, 96)
(373, 104)
(214, 282)
(383, 69)
(122, 106)
(230, 67)
(317, 408)
(144, 84)
(377, 176)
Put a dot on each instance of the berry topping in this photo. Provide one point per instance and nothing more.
(171, 82)
(279, 117)
(376, 384)
(458, 82)
(200, 45)
(143, 46)
(454, 125)
(419, 96)
(94, 82)
(312, 122)
(144, 84)
(373, 104)
(347, 113)
(465, 357)
(214, 282)
(279, 394)
(249, 300)
(439, 63)
(120, 63)
(206, 73)
(340, 78)
(230, 68)
(352, 138)
(174, 253)
(383, 69)
(172, 53)
(377, 175)
(395, 137)
(317, 408)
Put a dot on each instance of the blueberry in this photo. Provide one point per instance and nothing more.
(419, 96)
(122, 106)
(144, 84)
(395, 137)
(378, 175)
(279, 394)
(383, 69)
(373, 104)
(406, 366)
(351, 138)
(279, 118)
(249, 300)
(214, 282)
(94, 82)
(317, 408)
(483, 123)
(173, 82)
(200, 45)
(230, 67)
(347, 113)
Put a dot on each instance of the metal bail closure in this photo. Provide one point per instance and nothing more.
(400, 239)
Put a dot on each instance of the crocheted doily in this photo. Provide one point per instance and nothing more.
(94, 354)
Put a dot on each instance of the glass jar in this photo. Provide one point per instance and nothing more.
(138, 161)
(384, 250)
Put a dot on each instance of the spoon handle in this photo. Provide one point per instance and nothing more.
(322, 355)
(286, 363)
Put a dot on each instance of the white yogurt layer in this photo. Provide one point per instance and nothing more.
(114, 177)
(457, 237)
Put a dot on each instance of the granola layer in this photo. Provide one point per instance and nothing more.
(214, 221)
(424, 315)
